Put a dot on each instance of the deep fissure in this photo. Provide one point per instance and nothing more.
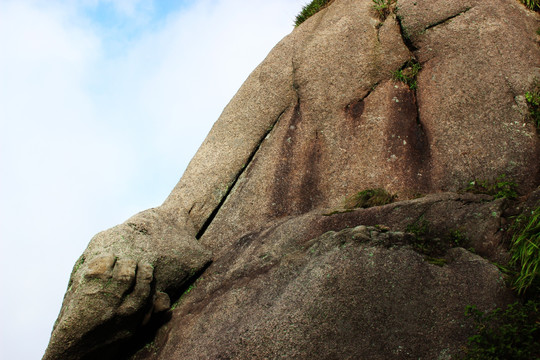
(238, 175)
(446, 19)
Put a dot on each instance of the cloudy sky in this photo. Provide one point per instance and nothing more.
(102, 105)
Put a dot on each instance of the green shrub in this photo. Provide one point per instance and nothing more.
(499, 188)
(511, 333)
(525, 250)
(309, 10)
(369, 198)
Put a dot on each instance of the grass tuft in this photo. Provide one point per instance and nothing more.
(383, 7)
(309, 10)
(407, 74)
(525, 250)
(533, 100)
(369, 198)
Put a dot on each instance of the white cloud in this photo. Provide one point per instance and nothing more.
(95, 126)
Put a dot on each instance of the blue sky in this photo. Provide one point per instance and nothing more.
(102, 105)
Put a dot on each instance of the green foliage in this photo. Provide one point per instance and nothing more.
(511, 333)
(525, 250)
(382, 7)
(309, 10)
(532, 4)
(407, 74)
(498, 188)
(369, 198)
(533, 100)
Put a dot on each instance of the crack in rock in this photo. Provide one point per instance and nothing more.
(238, 175)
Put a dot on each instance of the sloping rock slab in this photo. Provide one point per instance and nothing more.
(362, 292)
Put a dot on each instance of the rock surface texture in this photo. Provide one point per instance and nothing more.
(257, 219)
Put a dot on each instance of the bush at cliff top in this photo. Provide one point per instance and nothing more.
(309, 10)
(532, 4)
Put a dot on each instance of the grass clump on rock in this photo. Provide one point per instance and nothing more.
(407, 74)
(310, 9)
(368, 198)
(525, 251)
(383, 7)
(533, 100)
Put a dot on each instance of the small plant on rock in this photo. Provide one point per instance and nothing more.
(383, 7)
(407, 74)
(368, 198)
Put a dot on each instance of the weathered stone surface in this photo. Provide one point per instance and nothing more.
(358, 293)
(127, 273)
(295, 275)
(470, 90)
(302, 106)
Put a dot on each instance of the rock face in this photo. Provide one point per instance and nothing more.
(293, 275)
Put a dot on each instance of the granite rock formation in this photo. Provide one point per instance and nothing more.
(292, 273)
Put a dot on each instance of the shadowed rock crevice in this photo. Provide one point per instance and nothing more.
(248, 162)
(445, 20)
(282, 190)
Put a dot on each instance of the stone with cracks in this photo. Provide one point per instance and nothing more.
(294, 274)
(298, 289)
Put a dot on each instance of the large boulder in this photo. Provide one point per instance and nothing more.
(299, 290)
(322, 118)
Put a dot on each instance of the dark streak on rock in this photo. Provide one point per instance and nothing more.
(355, 109)
(407, 141)
(309, 196)
(281, 202)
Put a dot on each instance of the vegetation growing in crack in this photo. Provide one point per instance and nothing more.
(511, 333)
(407, 74)
(533, 101)
(311, 9)
(498, 188)
(383, 8)
(187, 291)
(432, 245)
(368, 198)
